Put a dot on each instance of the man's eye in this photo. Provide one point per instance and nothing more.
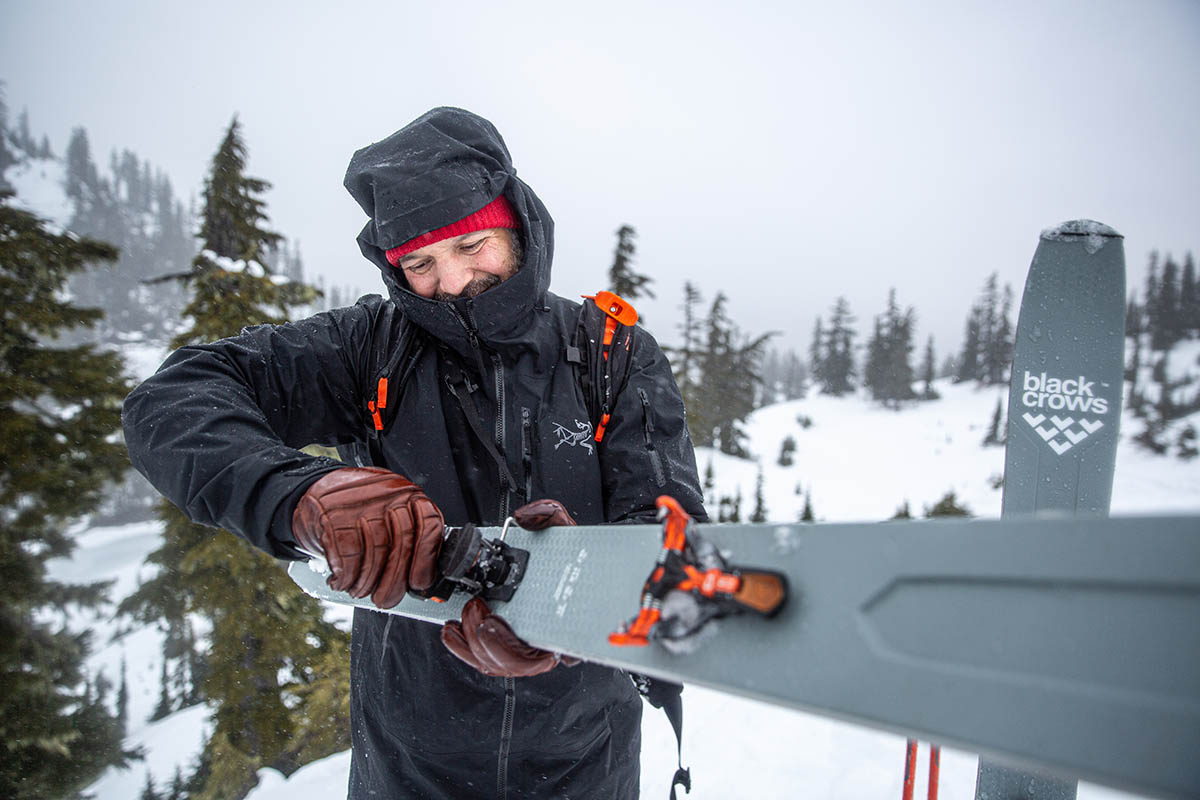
(472, 247)
(419, 268)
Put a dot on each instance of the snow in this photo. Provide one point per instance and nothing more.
(858, 460)
(1096, 232)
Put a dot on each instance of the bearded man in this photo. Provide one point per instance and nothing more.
(472, 410)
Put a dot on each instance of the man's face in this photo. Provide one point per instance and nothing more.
(462, 266)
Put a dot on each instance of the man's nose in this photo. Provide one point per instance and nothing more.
(454, 276)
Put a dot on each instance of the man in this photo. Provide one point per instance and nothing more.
(473, 429)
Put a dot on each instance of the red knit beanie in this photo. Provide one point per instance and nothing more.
(496, 214)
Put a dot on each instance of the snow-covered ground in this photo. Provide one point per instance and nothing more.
(859, 461)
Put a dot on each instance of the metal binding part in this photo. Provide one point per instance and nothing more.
(504, 530)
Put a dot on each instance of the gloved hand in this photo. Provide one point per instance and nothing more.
(484, 640)
(377, 530)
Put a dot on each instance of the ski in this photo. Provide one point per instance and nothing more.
(1059, 643)
(1064, 410)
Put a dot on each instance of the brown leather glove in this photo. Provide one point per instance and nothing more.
(377, 530)
(484, 640)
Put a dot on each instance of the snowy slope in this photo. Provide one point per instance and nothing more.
(858, 460)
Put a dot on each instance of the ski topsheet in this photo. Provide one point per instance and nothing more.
(1064, 410)
(1059, 643)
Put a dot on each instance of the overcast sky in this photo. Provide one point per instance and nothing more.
(784, 153)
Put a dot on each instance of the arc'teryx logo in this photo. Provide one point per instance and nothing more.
(1060, 431)
(581, 437)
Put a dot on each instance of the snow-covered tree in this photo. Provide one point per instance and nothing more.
(59, 417)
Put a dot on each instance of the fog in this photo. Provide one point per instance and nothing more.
(783, 155)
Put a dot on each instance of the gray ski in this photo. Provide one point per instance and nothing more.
(1064, 410)
(1062, 643)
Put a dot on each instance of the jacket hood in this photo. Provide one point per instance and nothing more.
(439, 168)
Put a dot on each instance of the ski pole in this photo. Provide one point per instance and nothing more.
(910, 769)
(935, 768)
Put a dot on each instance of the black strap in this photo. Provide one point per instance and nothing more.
(673, 708)
(462, 390)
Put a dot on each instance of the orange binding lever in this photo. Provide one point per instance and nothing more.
(697, 573)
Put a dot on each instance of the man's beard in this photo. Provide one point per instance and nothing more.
(475, 287)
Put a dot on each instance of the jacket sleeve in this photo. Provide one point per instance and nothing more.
(217, 430)
(647, 450)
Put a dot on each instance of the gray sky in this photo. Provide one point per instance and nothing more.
(784, 153)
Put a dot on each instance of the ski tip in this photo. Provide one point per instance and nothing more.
(1080, 227)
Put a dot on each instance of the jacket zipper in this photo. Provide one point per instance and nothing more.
(647, 430)
(510, 706)
(504, 487)
(468, 324)
(527, 451)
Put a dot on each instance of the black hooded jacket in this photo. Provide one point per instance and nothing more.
(218, 427)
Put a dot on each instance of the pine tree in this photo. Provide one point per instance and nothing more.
(123, 697)
(816, 354)
(59, 418)
(7, 156)
(686, 357)
(928, 372)
(272, 663)
(795, 377)
(149, 792)
(1151, 303)
(1189, 299)
(624, 281)
(994, 435)
(730, 369)
(837, 370)
(948, 506)
(888, 372)
(807, 514)
(760, 503)
(903, 511)
(787, 452)
(999, 354)
(1134, 328)
(1166, 330)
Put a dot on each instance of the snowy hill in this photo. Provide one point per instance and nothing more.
(858, 461)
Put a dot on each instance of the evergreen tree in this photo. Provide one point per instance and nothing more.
(837, 371)
(686, 357)
(165, 706)
(123, 697)
(1134, 328)
(135, 209)
(1189, 299)
(1153, 321)
(903, 511)
(760, 503)
(807, 514)
(730, 369)
(795, 377)
(948, 506)
(928, 372)
(59, 417)
(995, 436)
(624, 281)
(149, 792)
(7, 156)
(787, 452)
(816, 353)
(1166, 329)
(274, 671)
(998, 355)
(888, 372)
